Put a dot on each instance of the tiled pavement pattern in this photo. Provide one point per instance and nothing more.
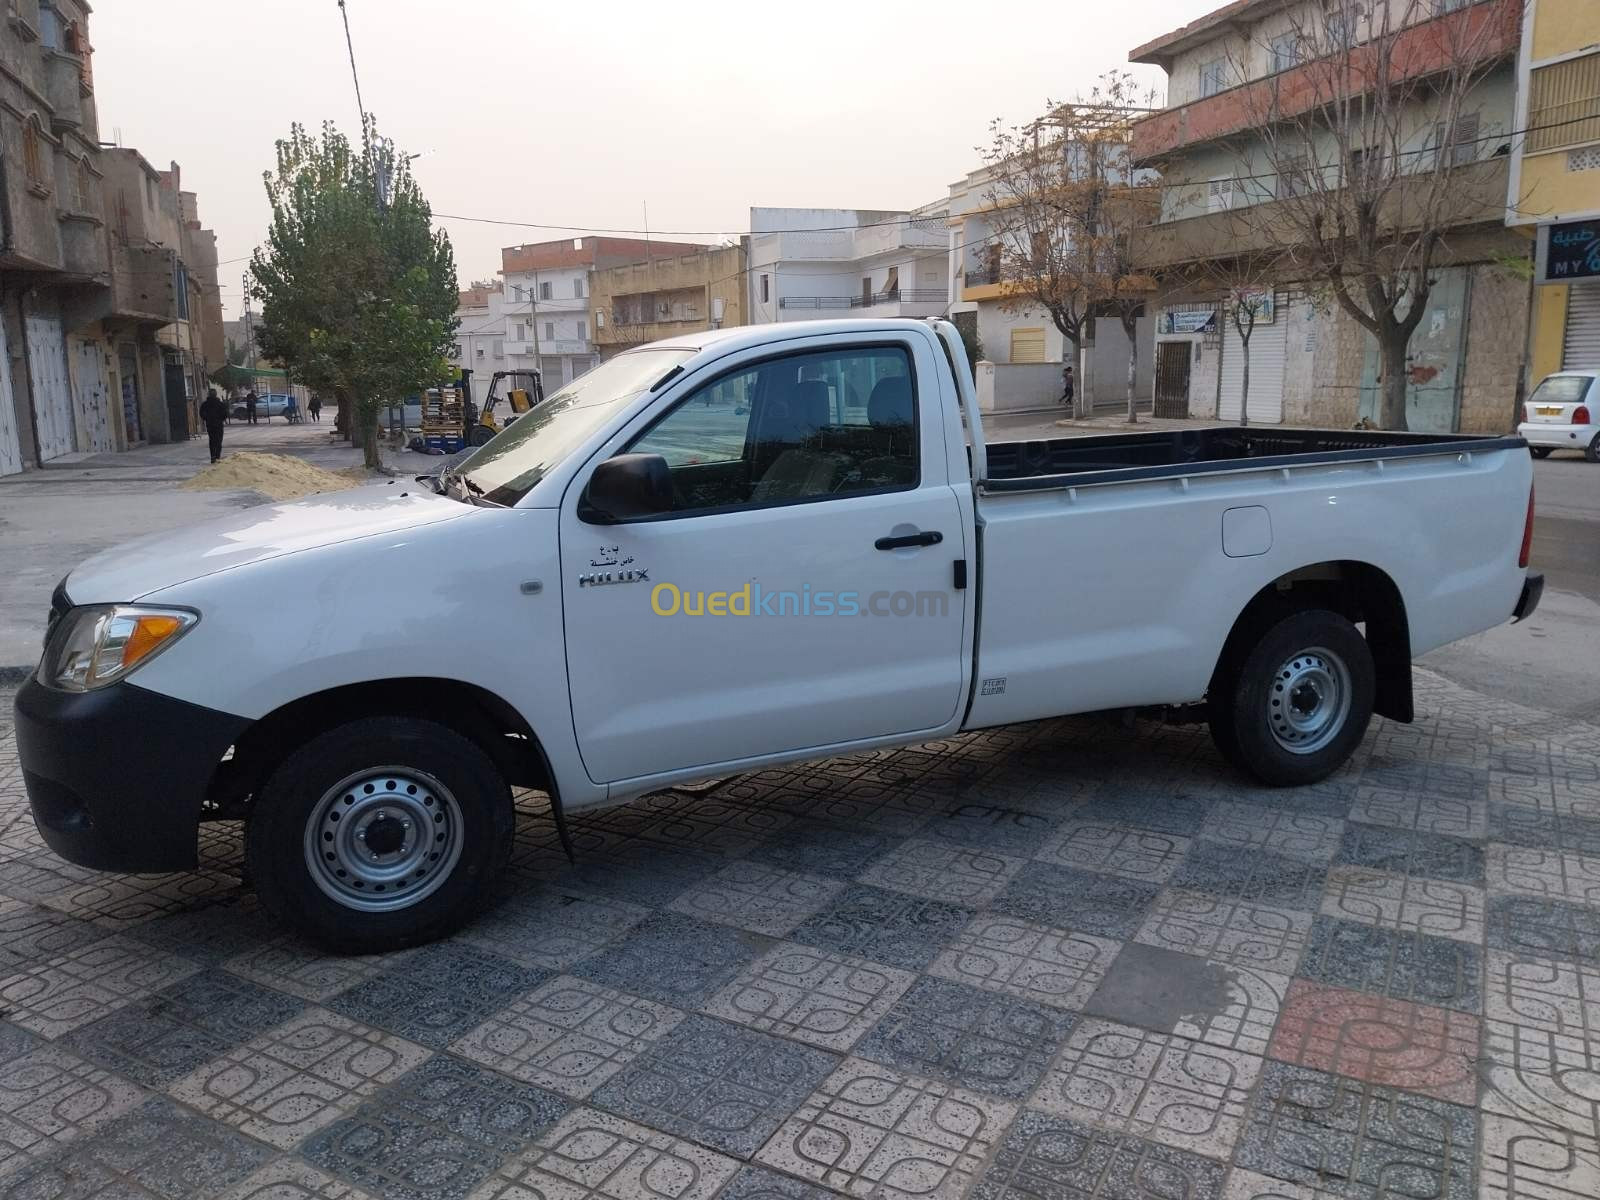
(1067, 960)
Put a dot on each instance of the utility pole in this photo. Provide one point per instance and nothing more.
(249, 324)
(533, 320)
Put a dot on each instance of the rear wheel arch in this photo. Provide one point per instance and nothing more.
(1360, 592)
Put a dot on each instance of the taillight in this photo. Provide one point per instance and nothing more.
(1580, 415)
(1527, 533)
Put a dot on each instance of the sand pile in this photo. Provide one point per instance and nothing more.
(281, 476)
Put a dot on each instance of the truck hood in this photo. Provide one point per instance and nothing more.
(163, 560)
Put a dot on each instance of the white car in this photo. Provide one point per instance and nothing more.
(1561, 415)
(629, 589)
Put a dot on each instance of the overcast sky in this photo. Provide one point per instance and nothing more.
(528, 110)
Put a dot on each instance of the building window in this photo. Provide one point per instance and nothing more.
(84, 197)
(1440, 7)
(1462, 142)
(583, 329)
(1564, 104)
(1341, 19)
(49, 27)
(33, 157)
(599, 318)
(1285, 51)
(1293, 179)
(1219, 195)
(499, 347)
(1213, 76)
(766, 293)
(549, 331)
(547, 291)
(479, 348)
(577, 289)
(180, 285)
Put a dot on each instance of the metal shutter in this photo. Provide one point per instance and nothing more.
(1267, 346)
(52, 389)
(1581, 350)
(10, 447)
(1027, 345)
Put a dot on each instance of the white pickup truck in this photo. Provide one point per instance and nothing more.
(717, 553)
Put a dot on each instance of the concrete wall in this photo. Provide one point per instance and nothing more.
(1013, 387)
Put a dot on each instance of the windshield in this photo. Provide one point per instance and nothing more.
(505, 468)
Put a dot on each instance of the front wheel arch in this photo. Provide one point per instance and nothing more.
(475, 713)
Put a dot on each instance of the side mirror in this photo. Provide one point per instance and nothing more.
(627, 487)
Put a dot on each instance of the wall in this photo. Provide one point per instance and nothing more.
(1013, 387)
(1563, 25)
(1495, 344)
(1549, 331)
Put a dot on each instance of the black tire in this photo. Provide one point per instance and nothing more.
(1325, 663)
(479, 435)
(1540, 451)
(304, 799)
(1592, 450)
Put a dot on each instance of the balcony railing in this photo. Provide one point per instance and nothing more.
(894, 296)
(982, 276)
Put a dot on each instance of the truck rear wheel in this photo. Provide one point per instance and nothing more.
(1291, 708)
(380, 834)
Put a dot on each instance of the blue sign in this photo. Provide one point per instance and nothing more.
(1574, 252)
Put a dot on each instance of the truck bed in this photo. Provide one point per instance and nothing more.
(1079, 461)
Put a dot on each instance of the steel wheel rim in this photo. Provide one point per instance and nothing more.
(383, 839)
(1308, 700)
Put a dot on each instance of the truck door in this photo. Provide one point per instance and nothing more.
(801, 592)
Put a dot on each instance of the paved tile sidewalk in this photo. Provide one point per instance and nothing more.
(1069, 959)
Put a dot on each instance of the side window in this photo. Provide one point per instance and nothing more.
(803, 427)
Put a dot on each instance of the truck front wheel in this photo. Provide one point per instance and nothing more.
(379, 834)
(1294, 706)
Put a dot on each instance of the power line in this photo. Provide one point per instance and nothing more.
(356, 79)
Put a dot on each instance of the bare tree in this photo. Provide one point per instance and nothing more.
(1368, 131)
(1064, 198)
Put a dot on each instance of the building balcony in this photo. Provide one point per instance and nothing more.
(143, 284)
(896, 296)
(547, 346)
(636, 333)
(1477, 195)
(83, 245)
(1491, 27)
(62, 75)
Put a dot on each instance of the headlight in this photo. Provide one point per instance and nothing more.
(99, 644)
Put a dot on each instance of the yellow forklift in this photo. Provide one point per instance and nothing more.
(523, 389)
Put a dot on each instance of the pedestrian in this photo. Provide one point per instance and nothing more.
(291, 411)
(1066, 385)
(315, 407)
(250, 406)
(214, 415)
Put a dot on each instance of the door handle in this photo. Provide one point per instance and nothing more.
(929, 537)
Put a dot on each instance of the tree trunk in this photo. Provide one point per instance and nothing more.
(341, 418)
(1392, 392)
(1244, 384)
(1080, 382)
(371, 441)
(1133, 374)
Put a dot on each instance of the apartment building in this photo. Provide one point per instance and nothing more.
(1021, 350)
(481, 330)
(546, 313)
(1242, 80)
(663, 297)
(1554, 180)
(811, 263)
(108, 293)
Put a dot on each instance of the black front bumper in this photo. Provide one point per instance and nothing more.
(1532, 590)
(117, 777)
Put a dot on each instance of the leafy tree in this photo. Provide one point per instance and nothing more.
(358, 290)
(233, 376)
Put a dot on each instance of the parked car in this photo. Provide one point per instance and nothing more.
(273, 404)
(858, 577)
(1561, 415)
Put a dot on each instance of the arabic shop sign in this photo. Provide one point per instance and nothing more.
(1186, 320)
(1569, 251)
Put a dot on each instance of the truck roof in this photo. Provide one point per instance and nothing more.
(740, 336)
